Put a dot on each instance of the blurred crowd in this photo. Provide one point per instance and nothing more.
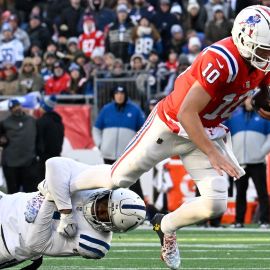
(58, 47)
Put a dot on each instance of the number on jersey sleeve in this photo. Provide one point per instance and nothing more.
(212, 71)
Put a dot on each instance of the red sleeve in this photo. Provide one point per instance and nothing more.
(99, 39)
(211, 71)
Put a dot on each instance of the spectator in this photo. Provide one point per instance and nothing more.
(19, 153)
(137, 63)
(79, 83)
(59, 83)
(226, 7)
(172, 62)
(194, 48)
(109, 59)
(196, 17)
(18, 33)
(219, 27)
(177, 40)
(11, 49)
(182, 66)
(50, 132)
(145, 38)
(119, 34)
(103, 16)
(116, 124)
(177, 11)
(47, 69)
(29, 79)
(91, 40)
(70, 17)
(141, 9)
(9, 83)
(118, 69)
(164, 20)
(251, 143)
(38, 32)
(72, 47)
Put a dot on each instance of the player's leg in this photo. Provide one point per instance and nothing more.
(241, 198)
(152, 144)
(258, 175)
(11, 179)
(213, 189)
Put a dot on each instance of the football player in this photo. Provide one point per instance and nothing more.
(30, 225)
(188, 122)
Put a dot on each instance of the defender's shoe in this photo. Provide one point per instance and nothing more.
(169, 248)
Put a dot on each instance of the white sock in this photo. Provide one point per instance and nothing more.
(191, 212)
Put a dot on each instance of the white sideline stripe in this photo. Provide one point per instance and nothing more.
(189, 250)
(155, 258)
(140, 268)
(139, 244)
(195, 229)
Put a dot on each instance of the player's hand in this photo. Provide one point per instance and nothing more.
(43, 189)
(220, 163)
(67, 226)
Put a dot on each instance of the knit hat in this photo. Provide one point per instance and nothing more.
(122, 8)
(176, 28)
(48, 103)
(194, 41)
(13, 103)
(217, 8)
(192, 4)
(6, 27)
(73, 66)
(120, 88)
(176, 9)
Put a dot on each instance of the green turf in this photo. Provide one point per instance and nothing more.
(200, 249)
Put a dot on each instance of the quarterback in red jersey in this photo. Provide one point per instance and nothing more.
(92, 40)
(188, 123)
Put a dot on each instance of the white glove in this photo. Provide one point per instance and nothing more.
(43, 189)
(67, 226)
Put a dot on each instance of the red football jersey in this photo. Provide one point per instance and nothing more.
(89, 42)
(226, 77)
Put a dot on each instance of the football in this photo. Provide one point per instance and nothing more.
(262, 99)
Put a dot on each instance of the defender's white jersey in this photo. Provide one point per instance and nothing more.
(21, 240)
(11, 52)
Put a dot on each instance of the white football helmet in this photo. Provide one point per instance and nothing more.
(118, 210)
(250, 33)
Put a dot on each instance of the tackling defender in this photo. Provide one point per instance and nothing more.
(86, 231)
(188, 123)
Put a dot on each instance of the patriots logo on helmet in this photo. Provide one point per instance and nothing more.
(250, 22)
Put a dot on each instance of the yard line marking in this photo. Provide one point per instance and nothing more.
(140, 268)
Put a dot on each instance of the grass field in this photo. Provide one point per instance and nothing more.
(200, 249)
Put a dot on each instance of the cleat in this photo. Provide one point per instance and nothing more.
(169, 248)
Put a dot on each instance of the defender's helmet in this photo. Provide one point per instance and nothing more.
(117, 210)
(251, 35)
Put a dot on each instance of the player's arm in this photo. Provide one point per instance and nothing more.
(58, 177)
(188, 115)
(42, 238)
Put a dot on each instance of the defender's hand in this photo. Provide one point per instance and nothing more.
(67, 226)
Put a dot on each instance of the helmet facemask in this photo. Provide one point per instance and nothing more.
(117, 210)
(97, 211)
